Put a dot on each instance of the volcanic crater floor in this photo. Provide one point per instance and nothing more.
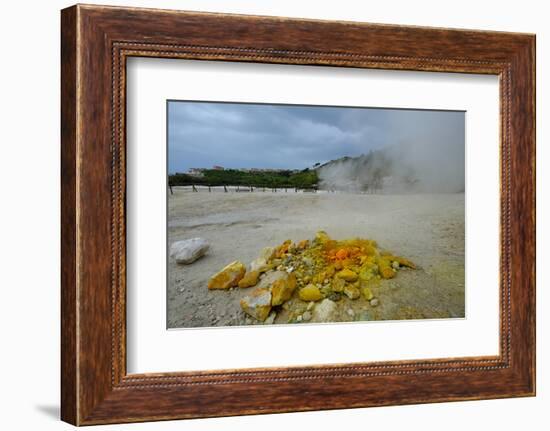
(428, 229)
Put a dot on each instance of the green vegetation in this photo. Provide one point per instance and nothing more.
(230, 177)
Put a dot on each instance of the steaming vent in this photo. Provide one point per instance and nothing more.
(396, 169)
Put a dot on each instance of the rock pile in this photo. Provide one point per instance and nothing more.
(323, 270)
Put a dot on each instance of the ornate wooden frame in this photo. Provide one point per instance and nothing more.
(95, 43)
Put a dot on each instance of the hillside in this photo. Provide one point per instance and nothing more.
(306, 178)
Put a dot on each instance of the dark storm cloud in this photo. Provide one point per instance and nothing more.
(295, 137)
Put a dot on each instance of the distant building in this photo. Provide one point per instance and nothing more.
(196, 172)
(199, 172)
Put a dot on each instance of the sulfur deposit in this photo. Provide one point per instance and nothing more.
(230, 276)
(322, 270)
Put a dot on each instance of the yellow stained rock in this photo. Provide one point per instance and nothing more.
(347, 274)
(403, 262)
(267, 253)
(322, 237)
(250, 279)
(302, 245)
(318, 278)
(330, 271)
(310, 293)
(367, 293)
(270, 277)
(282, 249)
(257, 304)
(338, 284)
(368, 272)
(348, 262)
(228, 276)
(385, 268)
(371, 250)
(262, 263)
(282, 289)
(351, 291)
(368, 260)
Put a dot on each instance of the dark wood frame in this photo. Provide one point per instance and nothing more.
(95, 43)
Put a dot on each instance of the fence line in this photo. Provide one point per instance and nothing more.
(227, 188)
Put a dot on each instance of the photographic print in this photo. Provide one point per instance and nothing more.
(296, 214)
(299, 200)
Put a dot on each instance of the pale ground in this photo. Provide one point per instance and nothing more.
(428, 229)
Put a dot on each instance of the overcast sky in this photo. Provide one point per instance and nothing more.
(235, 135)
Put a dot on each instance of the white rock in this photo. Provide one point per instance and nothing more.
(189, 250)
(259, 264)
(257, 304)
(267, 253)
(324, 311)
(271, 318)
(271, 277)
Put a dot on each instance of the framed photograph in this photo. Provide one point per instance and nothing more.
(264, 214)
